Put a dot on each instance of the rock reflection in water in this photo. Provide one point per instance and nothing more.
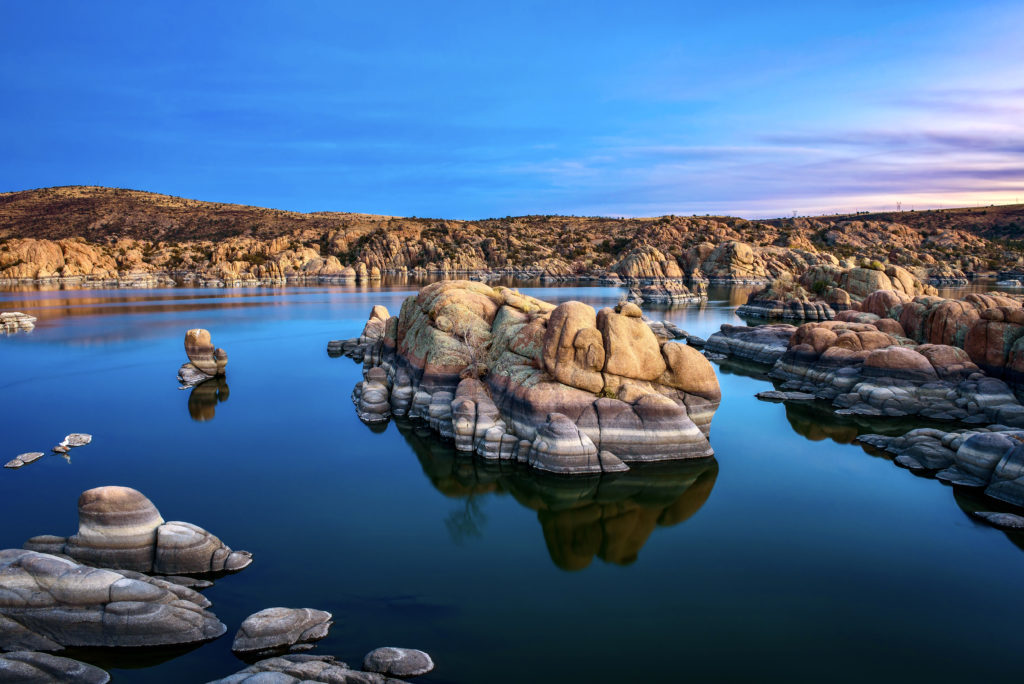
(972, 501)
(608, 516)
(817, 421)
(203, 400)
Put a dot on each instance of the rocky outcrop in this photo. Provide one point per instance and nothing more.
(863, 370)
(31, 667)
(205, 361)
(50, 603)
(276, 630)
(990, 459)
(15, 321)
(861, 281)
(120, 528)
(505, 375)
(761, 344)
(785, 299)
(398, 662)
(293, 669)
(668, 292)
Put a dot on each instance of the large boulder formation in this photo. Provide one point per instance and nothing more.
(120, 528)
(646, 263)
(205, 361)
(990, 459)
(51, 602)
(737, 262)
(275, 630)
(859, 282)
(32, 667)
(488, 367)
(303, 668)
(15, 321)
(761, 344)
(785, 298)
(863, 370)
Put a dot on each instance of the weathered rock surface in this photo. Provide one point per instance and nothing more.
(120, 528)
(15, 321)
(400, 662)
(205, 361)
(668, 292)
(989, 458)
(785, 299)
(280, 629)
(32, 667)
(23, 459)
(298, 668)
(50, 602)
(761, 344)
(488, 366)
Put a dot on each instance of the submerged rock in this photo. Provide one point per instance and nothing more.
(279, 629)
(507, 376)
(775, 395)
(296, 668)
(400, 662)
(53, 602)
(120, 528)
(32, 667)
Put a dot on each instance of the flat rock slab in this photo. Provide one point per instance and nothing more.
(32, 667)
(774, 395)
(275, 629)
(399, 662)
(23, 459)
(290, 669)
(76, 439)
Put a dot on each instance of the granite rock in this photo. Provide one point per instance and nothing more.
(32, 667)
(280, 629)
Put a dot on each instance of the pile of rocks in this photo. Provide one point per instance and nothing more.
(75, 439)
(511, 377)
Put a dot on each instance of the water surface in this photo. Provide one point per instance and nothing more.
(792, 554)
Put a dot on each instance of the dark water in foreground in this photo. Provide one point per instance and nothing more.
(794, 554)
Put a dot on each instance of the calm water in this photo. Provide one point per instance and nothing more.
(793, 554)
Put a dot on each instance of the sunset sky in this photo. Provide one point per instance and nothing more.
(472, 110)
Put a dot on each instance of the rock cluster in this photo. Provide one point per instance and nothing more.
(668, 292)
(512, 377)
(205, 361)
(275, 630)
(990, 459)
(31, 667)
(300, 668)
(52, 602)
(761, 344)
(15, 321)
(120, 528)
(23, 459)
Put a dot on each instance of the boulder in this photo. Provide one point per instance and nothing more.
(202, 354)
(32, 667)
(296, 668)
(73, 605)
(399, 662)
(280, 629)
(120, 528)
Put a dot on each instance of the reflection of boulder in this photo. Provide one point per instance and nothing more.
(118, 527)
(203, 400)
(818, 421)
(506, 375)
(609, 516)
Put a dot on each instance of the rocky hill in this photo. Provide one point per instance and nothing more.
(115, 236)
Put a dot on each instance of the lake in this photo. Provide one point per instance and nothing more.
(793, 554)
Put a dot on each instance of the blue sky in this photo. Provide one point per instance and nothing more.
(472, 110)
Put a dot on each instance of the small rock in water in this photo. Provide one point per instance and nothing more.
(76, 439)
(715, 356)
(23, 459)
(61, 449)
(1004, 521)
(276, 629)
(775, 395)
(398, 662)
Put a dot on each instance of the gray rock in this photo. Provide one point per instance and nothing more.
(400, 662)
(761, 344)
(23, 459)
(1004, 521)
(275, 629)
(293, 669)
(190, 376)
(775, 395)
(76, 439)
(31, 667)
(72, 605)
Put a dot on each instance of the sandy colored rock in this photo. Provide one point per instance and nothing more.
(202, 354)
(631, 349)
